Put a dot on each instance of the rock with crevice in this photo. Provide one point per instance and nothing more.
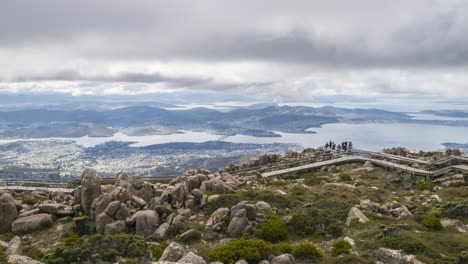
(173, 252)
(355, 213)
(8, 212)
(31, 223)
(238, 223)
(90, 189)
(145, 222)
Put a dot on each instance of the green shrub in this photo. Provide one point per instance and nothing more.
(277, 183)
(311, 179)
(345, 177)
(193, 235)
(3, 256)
(282, 248)
(323, 217)
(84, 225)
(250, 250)
(30, 201)
(306, 251)
(432, 222)
(90, 249)
(33, 252)
(402, 241)
(224, 200)
(341, 247)
(157, 251)
(424, 186)
(273, 230)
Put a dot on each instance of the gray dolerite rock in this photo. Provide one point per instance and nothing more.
(30, 212)
(145, 222)
(215, 185)
(263, 207)
(116, 227)
(392, 256)
(455, 223)
(90, 189)
(192, 258)
(141, 188)
(117, 210)
(8, 212)
(77, 196)
(162, 231)
(250, 210)
(18, 259)
(102, 220)
(241, 262)
(122, 180)
(283, 259)
(14, 246)
(238, 222)
(56, 209)
(355, 213)
(215, 217)
(31, 223)
(173, 252)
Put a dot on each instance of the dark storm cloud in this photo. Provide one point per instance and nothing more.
(432, 34)
(271, 48)
(130, 77)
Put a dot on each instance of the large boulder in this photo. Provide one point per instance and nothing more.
(117, 210)
(216, 217)
(283, 259)
(216, 185)
(355, 213)
(31, 223)
(18, 259)
(162, 231)
(146, 222)
(263, 208)
(90, 189)
(15, 247)
(192, 258)
(141, 188)
(116, 227)
(122, 180)
(8, 212)
(238, 222)
(173, 252)
(56, 209)
(102, 220)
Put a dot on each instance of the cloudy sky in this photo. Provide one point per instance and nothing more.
(264, 48)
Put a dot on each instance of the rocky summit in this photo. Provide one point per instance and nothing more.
(300, 207)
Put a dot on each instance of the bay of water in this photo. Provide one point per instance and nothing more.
(364, 136)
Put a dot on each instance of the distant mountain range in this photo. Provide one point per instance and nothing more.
(256, 120)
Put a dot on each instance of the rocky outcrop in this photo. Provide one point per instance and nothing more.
(173, 252)
(116, 227)
(215, 221)
(192, 258)
(18, 259)
(283, 259)
(145, 223)
(217, 186)
(31, 223)
(455, 223)
(392, 256)
(56, 209)
(8, 212)
(90, 189)
(355, 213)
(238, 223)
(263, 208)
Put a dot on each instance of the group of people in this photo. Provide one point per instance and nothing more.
(343, 146)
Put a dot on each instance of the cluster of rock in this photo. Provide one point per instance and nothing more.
(240, 220)
(133, 205)
(14, 252)
(21, 218)
(392, 209)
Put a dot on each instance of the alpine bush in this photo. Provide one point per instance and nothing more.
(250, 250)
(273, 230)
(306, 251)
(341, 247)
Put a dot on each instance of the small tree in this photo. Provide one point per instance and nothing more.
(432, 222)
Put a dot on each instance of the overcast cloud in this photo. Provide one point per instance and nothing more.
(270, 49)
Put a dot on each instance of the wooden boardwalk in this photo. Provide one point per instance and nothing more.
(381, 163)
